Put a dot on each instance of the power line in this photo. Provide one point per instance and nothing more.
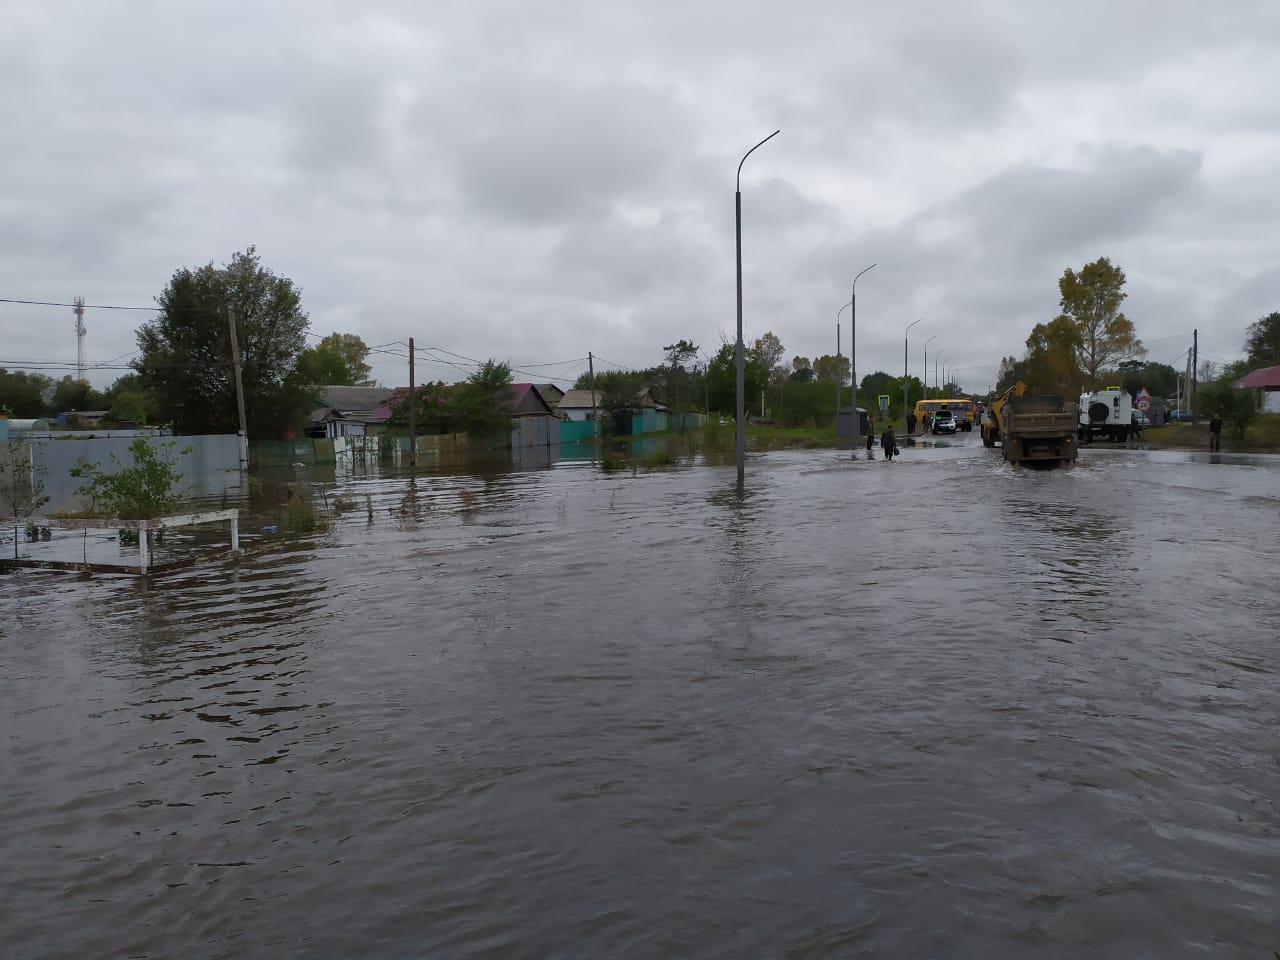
(87, 306)
(611, 363)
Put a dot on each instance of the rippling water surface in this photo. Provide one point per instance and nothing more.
(933, 708)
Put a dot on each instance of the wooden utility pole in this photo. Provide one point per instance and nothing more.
(235, 366)
(413, 418)
(1195, 362)
(591, 370)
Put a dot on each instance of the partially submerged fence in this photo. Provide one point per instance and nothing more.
(143, 529)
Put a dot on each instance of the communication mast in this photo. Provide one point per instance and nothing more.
(80, 332)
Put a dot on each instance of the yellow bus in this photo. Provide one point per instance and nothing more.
(965, 411)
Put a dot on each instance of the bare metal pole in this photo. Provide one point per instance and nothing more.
(839, 379)
(595, 432)
(924, 366)
(904, 371)
(413, 418)
(739, 436)
(853, 365)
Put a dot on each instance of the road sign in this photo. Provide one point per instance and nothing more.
(884, 402)
(1144, 404)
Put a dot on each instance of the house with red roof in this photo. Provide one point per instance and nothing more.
(1267, 380)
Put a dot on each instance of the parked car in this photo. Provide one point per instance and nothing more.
(944, 421)
(1181, 415)
(1140, 419)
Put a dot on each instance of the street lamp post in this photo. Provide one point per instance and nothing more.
(838, 377)
(740, 407)
(924, 366)
(853, 362)
(904, 372)
(936, 357)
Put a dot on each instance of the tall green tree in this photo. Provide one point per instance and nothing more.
(338, 360)
(807, 403)
(1159, 379)
(1052, 359)
(70, 395)
(1090, 301)
(832, 368)
(186, 350)
(484, 404)
(722, 379)
(1263, 342)
(127, 401)
(678, 354)
(1238, 408)
(25, 395)
(876, 384)
(429, 405)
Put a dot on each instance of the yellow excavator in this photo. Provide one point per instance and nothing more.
(1036, 431)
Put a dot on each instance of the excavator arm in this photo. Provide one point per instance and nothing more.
(993, 429)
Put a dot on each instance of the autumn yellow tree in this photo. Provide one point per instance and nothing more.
(1090, 302)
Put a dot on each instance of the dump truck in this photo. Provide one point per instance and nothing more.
(1037, 431)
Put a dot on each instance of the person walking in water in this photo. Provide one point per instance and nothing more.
(871, 431)
(887, 442)
(1215, 433)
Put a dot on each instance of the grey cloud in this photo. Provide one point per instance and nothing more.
(1043, 207)
(541, 151)
(611, 259)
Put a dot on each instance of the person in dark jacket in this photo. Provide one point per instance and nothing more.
(871, 431)
(887, 442)
(1215, 433)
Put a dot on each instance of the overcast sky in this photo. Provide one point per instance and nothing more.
(530, 181)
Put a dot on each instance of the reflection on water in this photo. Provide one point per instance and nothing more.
(564, 712)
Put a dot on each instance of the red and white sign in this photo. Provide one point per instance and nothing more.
(1144, 404)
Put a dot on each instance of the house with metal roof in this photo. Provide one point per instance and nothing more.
(579, 404)
(350, 412)
(1266, 379)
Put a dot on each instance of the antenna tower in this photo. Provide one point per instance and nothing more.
(80, 332)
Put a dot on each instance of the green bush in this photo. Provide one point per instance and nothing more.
(138, 492)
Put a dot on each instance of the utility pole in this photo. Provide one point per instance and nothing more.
(591, 370)
(413, 414)
(675, 372)
(1195, 362)
(235, 366)
(80, 332)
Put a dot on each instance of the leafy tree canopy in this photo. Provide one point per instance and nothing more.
(482, 404)
(25, 395)
(832, 368)
(186, 350)
(1238, 408)
(722, 378)
(338, 360)
(1263, 342)
(70, 395)
(1090, 302)
(1159, 379)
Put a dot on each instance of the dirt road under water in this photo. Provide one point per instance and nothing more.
(939, 707)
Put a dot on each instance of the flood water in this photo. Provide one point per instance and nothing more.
(941, 707)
